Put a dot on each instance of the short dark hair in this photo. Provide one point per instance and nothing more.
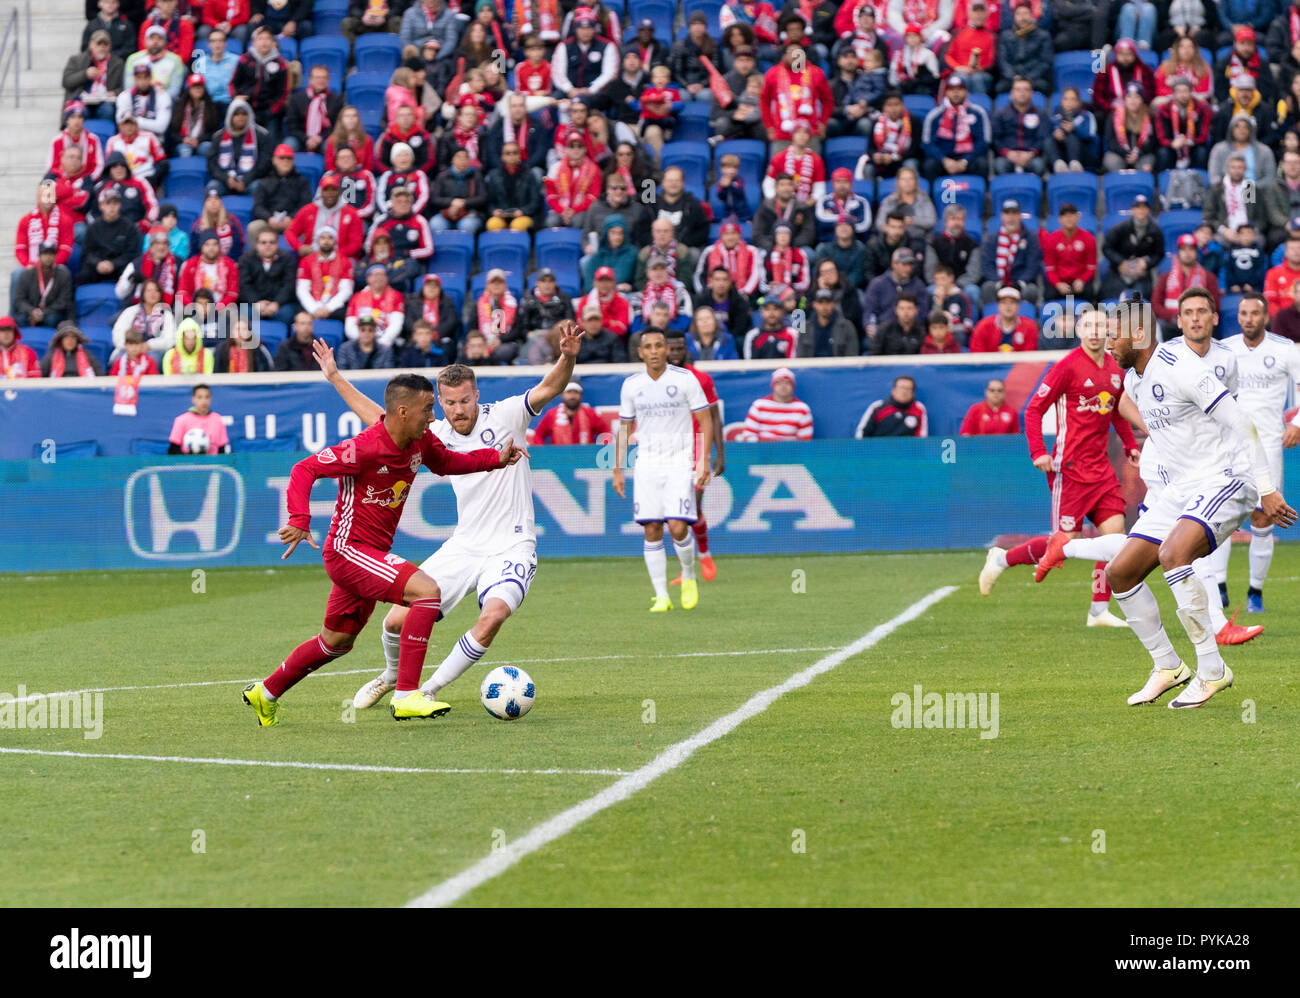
(903, 377)
(938, 318)
(944, 268)
(909, 296)
(784, 176)
(200, 388)
(454, 375)
(1191, 293)
(1256, 296)
(721, 268)
(897, 215)
(402, 387)
(654, 330)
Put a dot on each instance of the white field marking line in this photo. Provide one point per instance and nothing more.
(453, 889)
(348, 767)
(354, 672)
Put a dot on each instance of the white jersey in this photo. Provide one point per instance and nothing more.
(1266, 374)
(494, 509)
(663, 410)
(1175, 395)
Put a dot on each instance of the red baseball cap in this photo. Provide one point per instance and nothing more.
(730, 227)
(843, 173)
(602, 272)
(1186, 239)
(195, 80)
(283, 149)
(329, 180)
(1244, 34)
(7, 322)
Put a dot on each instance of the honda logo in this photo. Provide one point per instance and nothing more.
(178, 513)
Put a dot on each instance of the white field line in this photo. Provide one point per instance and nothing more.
(374, 669)
(453, 889)
(347, 767)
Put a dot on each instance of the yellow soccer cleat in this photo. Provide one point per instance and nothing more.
(690, 594)
(661, 604)
(418, 704)
(267, 710)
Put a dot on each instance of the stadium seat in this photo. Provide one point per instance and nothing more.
(103, 130)
(38, 338)
(559, 256)
(693, 123)
(1178, 223)
(288, 48)
(1074, 69)
(188, 210)
(311, 165)
(144, 447)
(1228, 323)
(753, 164)
(1087, 222)
(1164, 176)
(1027, 188)
(712, 9)
(692, 158)
(919, 104)
(329, 330)
(366, 93)
(661, 12)
(865, 189)
(239, 205)
(1119, 189)
(514, 281)
(1078, 188)
(187, 178)
(505, 249)
(273, 334)
(546, 238)
(327, 16)
(1150, 57)
(967, 191)
(96, 303)
(325, 50)
(74, 448)
(843, 151)
(377, 53)
(982, 100)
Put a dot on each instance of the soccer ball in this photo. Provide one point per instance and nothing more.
(195, 441)
(507, 693)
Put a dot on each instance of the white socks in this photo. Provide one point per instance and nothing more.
(1261, 554)
(1143, 616)
(656, 561)
(1218, 559)
(1104, 547)
(686, 555)
(463, 654)
(1205, 573)
(1193, 611)
(1000, 559)
(392, 642)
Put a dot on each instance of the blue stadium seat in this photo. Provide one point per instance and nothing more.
(567, 279)
(515, 282)
(1178, 223)
(273, 334)
(843, 151)
(1150, 57)
(329, 330)
(188, 210)
(1027, 188)
(547, 238)
(187, 178)
(325, 50)
(505, 249)
(711, 9)
(966, 190)
(982, 100)
(104, 130)
(693, 123)
(377, 53)
(693, 158)
(368, 99)
(1119, 189)
(865, 189)
(559, 256)
(753, 164)
(327, 16)
(1228, 324)
(1080, 79)
(1109, 221)
(311, 165)
(1163, 177)
(919, 104)
(1078, 188)
(96, 303)
(38, 338)
(661, 12)
(452, 262)
(239, 205)
(288, 48)
(454, 237)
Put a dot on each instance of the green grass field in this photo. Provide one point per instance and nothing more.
(1197, 808)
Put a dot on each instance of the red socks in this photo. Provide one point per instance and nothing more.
(1100, 587)
(302, 661)
(414, 642)
(700, 528)
(1027, 553)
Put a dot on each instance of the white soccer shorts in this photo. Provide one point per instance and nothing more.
(1220, 505)
(505, 576)
(660, 494)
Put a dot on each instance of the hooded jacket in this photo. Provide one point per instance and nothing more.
(261, 151)
(1265, 172)
(622, 260)
(264, 80)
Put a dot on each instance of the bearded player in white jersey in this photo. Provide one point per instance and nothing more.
(493, 548)
(1267, 365)
(662, 400)
(1218, 473)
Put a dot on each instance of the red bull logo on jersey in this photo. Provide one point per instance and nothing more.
(392, 497)
(1102, 402)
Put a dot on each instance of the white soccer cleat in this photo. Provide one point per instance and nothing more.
(1159, 682)
(991, 570)
(1199, 690)
(1106, 619)
(372, 693)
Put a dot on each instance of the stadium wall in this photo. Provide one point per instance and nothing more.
(826, 495)
(302, 412)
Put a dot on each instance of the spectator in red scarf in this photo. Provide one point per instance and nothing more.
(73, 187)
(17, 360)
(378, 301)
(134, 359)
(325, 282)
(1006, 330)
(348, 131)
(431, 305)
(195, 117)
(1185, 273)
(68, 357)
(1244, 57)
(331, 210)
(1110, 85)
(1183, 129)
(209, 269)
(570, 422)
(312, 113)
(157, 264)
(495, 315)
(742, 261)
(405, 129)
(791, 95)
(572, 185)
(956, 134)
(74, 133)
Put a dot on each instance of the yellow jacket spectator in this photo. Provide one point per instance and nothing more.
(189, 355)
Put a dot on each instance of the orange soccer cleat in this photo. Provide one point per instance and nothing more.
(1053, 557)
(707, 568)
(1233, 633)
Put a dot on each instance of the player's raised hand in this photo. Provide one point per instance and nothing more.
(325, 358)
(571, 335)
(1291, 436)
(293, 536)
(1276, 509)
(512, 453)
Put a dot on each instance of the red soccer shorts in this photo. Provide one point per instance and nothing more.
(362, 576)
(1073, 501)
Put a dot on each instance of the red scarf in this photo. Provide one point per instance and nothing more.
(1008, 245)
(178, 359)
(895, 137)
(318, 122)
(654, 293)
(57, 362)
(954, 124)
(39, 229)
(325, 275)
(518, 135)
(239, 360)
(1177, 283)
(494, 321)
(429, 311)
(164, 272)
(134, 368)
(740, 261)
(467, 139)
(1294, 17)
(785, 266)
(572, 187)
(1121, 131)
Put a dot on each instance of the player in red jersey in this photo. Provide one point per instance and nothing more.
(1085, 387)
(678, 356)
(375, 470)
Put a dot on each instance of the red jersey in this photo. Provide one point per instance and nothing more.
(981, 421)
(1086, 396)
(1069, 259)
(710, 396)
(558, 426)
(989, 337)
(375, 478)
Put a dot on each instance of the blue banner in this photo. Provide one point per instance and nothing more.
(843, 495)
(306, 414)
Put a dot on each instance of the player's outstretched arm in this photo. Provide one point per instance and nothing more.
(367, 409)
(561, 372)
(1228, 412)
(720, 461)
(620, 458)
(706, 448)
